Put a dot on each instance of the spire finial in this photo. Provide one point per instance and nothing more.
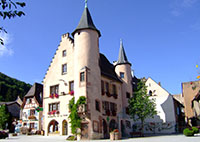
(86, 5)
(121, 42)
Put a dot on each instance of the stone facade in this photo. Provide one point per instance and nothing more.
(78, 69)
(189, 92)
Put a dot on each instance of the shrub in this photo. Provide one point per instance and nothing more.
(188, 132)
(195, 129)
(71, 138)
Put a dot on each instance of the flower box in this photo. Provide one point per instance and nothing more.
(71, 92)
(56, 95)
(53, 96)
(114, 135)
(54, 112)
(32, 117)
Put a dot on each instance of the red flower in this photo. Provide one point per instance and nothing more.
(51, 96)
(56, 95)
(54, 111)
(71, 92)
(116, 130)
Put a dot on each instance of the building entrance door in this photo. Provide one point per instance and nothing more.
(105, 130)
(65, 127)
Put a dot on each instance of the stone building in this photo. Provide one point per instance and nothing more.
(190, 91)
(78, 69)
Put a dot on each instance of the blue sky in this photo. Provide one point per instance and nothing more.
(161, 37)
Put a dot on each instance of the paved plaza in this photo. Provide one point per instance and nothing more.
(168, 138)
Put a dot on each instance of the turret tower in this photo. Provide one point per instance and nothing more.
(87, 76)
(123, 70)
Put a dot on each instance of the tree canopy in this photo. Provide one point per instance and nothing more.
(4, 116)
(140, 105)
(10, 88)
(9, 9)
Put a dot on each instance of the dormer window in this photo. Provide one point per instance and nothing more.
(121, 74)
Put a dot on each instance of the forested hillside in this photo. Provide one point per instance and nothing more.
(10, 88)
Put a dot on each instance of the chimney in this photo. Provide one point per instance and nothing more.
(159, 83)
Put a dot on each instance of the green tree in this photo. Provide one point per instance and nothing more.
(140, 105)
(75, 119)
(4, 116)
(10, 88)
(9, 9)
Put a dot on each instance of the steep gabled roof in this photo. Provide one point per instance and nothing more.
(86, 22)
(122, 59)
(107, 69)
(13, 108)
(35, 91)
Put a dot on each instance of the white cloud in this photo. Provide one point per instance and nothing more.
(179, 6)
(4, 49)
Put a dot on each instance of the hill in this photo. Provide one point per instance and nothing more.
(10, 88)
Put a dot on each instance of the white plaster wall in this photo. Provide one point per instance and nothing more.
(25, 114)
(54, 77)
(164, 105)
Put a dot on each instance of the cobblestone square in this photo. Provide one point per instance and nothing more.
(166, 138)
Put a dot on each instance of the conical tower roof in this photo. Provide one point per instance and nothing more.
(86, 22)
(122, 59)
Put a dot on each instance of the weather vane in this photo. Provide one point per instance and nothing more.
(86, 1)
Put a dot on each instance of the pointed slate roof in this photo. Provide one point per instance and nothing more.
(86, 22)
(107, 69)
(122, 59)
(35, 91)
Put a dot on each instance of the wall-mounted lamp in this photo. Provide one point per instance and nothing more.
(65, 83)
